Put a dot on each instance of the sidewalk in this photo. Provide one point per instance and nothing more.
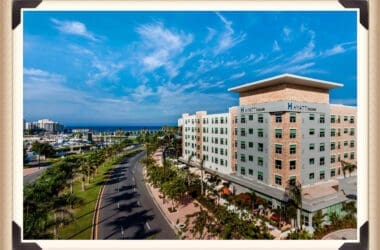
(186, 207)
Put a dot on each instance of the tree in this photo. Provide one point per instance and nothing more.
(42, 149)
(202, 221)
(294, 193)
(347, 166)
(318, 220)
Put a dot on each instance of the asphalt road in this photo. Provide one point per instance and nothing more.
(33, 176)
(127, 210)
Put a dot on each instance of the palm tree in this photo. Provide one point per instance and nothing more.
(202, 188)
(294, 192)
(318, 220)
(346, 166)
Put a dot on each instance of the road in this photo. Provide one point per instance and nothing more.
(33, 176)
(127, 210)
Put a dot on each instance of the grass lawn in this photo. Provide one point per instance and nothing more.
(80, 228)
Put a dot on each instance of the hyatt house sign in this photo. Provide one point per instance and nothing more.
(279, 106)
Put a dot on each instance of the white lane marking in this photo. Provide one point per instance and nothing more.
(147, 225)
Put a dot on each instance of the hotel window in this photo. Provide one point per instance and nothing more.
(216, 120)
(242, 170)
(260, 132)
(260, 118)
(345, 143)
(242, 131)
(250, 157)
(322, 132)
(311, 117)
(352, 155)
(278, 164)
(338, 157)
(311, 176)
(236, 119)
(250, 144)
(332, 119)
(322, 175)
(321, 147)
(278, 148)
(292, 149)
(260, 147)
(278, 117)
(352, 144)
(216, 150)
(221, 141)
(352, 131)
(242, 144)
(292, 117)
(292, 181)
(345, 155)
(250, 171)
(250, 131)
(278, 180)
(260, 175)
(292, 133)
(322, 118)
(322, 161)
(236, 131)
(235, 155)
(345, 130)
(345, 118)
(292, 164)
(332, 172)
(311, 131)
(221, 120)
(278, 133)
(338, 144)
(242, 157)
(311, 146)
(216, 140)
(333, 132)
(333, 159)
(221, 162)
(260, 161)
(338, 131)
(236, 144)
(338, 118)
(311, 161)
(250, 117)
(242, 119)
(352, 119)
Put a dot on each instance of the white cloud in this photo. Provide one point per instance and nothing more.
(104, 69)
(210, 35)
(228, 39)
(286, 33)
(160, 47)
(276, 47)
(141, 92)
(337, 49)
(344, 101)
(74, 28)
(237, 75)
(307, 52)
(38, 74)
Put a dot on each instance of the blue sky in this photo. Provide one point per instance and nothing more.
(147, 68)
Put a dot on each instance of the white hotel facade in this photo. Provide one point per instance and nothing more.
(284, 131)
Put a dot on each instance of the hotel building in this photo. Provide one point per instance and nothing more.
(283, 132)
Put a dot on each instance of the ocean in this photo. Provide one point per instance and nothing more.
(100, 129)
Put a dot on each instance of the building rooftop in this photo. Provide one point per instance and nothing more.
(286, 78)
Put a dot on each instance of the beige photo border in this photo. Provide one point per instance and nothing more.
(11, 119)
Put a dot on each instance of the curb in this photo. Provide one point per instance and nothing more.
(94, 228)
(171, 224)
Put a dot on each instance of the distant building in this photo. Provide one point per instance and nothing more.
(46, 125)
